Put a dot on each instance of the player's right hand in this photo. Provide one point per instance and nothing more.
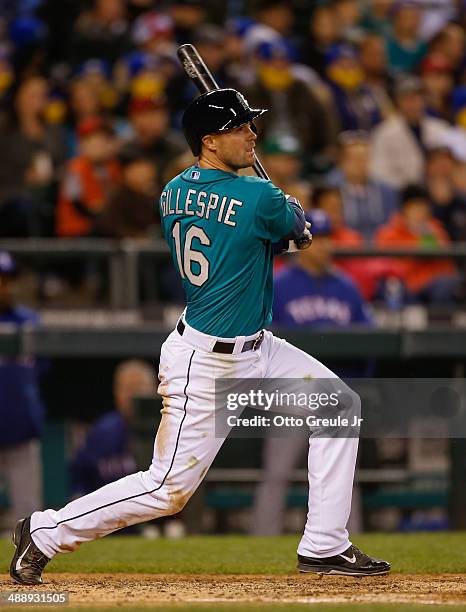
(305, 240)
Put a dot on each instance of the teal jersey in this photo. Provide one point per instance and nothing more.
(220, 228)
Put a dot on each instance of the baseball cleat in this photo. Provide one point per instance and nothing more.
(352, 562)
(28, 561)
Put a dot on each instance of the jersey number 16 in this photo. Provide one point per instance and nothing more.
(190, 255)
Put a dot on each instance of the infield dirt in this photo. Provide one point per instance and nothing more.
(146, 589)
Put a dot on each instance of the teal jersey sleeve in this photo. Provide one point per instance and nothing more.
(274, 217)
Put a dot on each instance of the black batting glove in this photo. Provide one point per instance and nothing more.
(305, 240)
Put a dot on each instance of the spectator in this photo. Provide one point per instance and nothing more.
(238, 62)
(450, 42)
(367, 202)
(28, 35)
(273, 22)
(329, 200)
(84, 103)
(209, 40)
(399, 143)
(97, 73)
(130, 211)
(281, 157)
(154, 34)
(105, 455)
(31, 154)
(356, 105)
(312, 295)
(84, 100)
(448, 206)
(434, 280)
(187, 16)
(324, 33)
(376, 17)
(59, 18)
(373, 62)
(437, 76)
(88, 179)
(277, 15)
(102, 31)
(405, 48)
(366, 272)
(347, 14)
(150, 121)
(21, 409)
(294, 111)
(136, 8)
(145, 78)
(92, 95)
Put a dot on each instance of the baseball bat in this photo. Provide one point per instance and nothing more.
(197, 71)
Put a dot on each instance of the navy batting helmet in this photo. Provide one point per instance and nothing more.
(214, 112)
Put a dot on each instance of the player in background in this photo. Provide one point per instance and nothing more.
(21, 408)
(220, 228)
(105, 454)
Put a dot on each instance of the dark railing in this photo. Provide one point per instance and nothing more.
(123, 257)
(145, 341)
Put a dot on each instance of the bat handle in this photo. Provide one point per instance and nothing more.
(260, 170)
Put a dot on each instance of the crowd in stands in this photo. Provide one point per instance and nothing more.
(367, 117)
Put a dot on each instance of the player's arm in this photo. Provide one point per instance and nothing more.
(299, 224)
(300, 235)
(278, 217)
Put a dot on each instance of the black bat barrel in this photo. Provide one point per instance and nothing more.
(196, 69)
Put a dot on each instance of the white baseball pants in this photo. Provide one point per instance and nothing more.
(185, 447)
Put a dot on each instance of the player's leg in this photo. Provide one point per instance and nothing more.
(185, 447)
(325, 546)
(331, 461)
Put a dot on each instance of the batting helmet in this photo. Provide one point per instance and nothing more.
(214, 112)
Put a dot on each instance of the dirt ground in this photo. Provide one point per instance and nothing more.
(146, 589)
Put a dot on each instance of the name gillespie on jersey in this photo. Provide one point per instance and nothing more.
(201, 204)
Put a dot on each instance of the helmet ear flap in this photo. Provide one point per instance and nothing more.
(195, 146)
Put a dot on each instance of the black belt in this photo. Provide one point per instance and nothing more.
(228, 347)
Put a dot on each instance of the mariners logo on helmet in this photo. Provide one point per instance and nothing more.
(214, 112)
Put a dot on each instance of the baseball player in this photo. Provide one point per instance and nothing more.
(221, 228)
